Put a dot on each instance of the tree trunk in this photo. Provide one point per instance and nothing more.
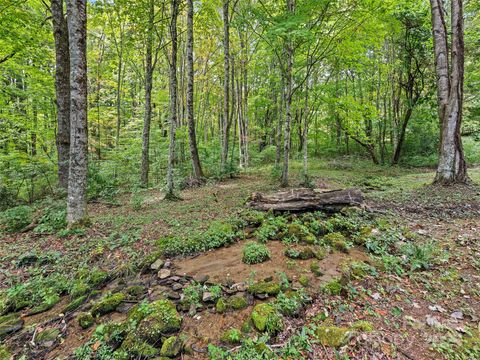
(173, 98)
(148, 97)
(62, 90)
(77, 177)
(226, 84)
(288, 103)
(192, 137)
(452, 167)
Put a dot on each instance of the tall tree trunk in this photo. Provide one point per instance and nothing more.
(452, 167)
(62, 89)
(173, 98)
(288, 103)
(226, 84)
(77, 177)
(192, 137)
(148, 97)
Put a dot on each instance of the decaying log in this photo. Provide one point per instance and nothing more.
(302, 200)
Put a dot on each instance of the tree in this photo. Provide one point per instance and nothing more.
(226, 85)
(77, 176)
(173, 98)
(62, 89)
(452, 167)
(197, 168)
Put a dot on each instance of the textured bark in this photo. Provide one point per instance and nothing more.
(288, 104)
(306, 200)
(173, 97)
(452, 167)
(226, 85)
(192, 137)
(148, 97)
(77, 178)
(62, 89)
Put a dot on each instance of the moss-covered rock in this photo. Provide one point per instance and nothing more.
(315, 269)
(332, 336)
(172, 346)
(333, 287)
(79, 288)
(46, 305)
(47, 335)
(362, 325)
(85, 320)
(232, 303)
(163, 319)
(264, 287)
(337, 241)
(9, 324)
(302, 254)
(107, 304)
(4, 353)
(265, 318)
(97, 277)
(75, 304)
(137, 348)
(232, 336)
(135, 291)
(304, 280)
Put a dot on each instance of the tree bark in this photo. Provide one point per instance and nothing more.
(288, 103)
(226, 84)
(148, 97)
(452, 167)
(77, 177)
(192, 136)
(173, 98)
(62, 90)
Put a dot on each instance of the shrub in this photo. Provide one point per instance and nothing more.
(53, 219)
(254, 253)
(16, 218)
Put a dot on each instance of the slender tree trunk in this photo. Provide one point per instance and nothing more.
(288, 104)
(62, 89)
(192, 137)
(226, 84)
(148, 97)
(77, 177)
(452, 167)
(173, 98)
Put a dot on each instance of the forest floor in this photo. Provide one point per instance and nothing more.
(419, 303)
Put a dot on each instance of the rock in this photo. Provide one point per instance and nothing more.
(332, 336)
(137, 348)
(240, 286)
(457, 315)
(47, 337)
(176, 278)
(173, 295)
(207, 296)
(10, 324)
(201, 279)
(231, 303)
(177, 287)
(164, 273)
(124, 307)
(376, 296)
(172, 346)
(107, 304)
(157, 265)
(167, 264)
(75, 304)
(265, 318)
(85, 320)
(135, 291)
(268, 288)
(163, 319)
(432, 321)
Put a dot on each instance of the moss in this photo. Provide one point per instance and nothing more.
(4, 353)
(337, 241)
(363, 325)
(85, 320)
(357, 269)
(9, 324)
(231, 303)
(246, 326)
(75, 304)
(172, 346)
(334, 287)
(163, 319)
(315, 269)
(48, 304)
(107, 304)
(221, 305)
(321, 252)
(303, 280)
(47, 335)
(264, 287)
(310, 239)
(304, 254)
(232, 336)
(97, 277)
(137, 348)
(135, 291)
(79, 288)
(265, 318)
(332, 336)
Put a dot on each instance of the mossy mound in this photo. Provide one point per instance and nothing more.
(47, 335)
(337, 241)
(232, 336)
(265, 318)
(135, 291)
(107, 304)
(163, 319)
(9, 324)
(137, 348)
(85, 320)
(46, 305)
(4, 353)
(264, 287)
(304, 280)
(357, 270)
(75, 304)
(172, 346)
(315, 269)
(332, 336)
(302, 254)
(363, 325)
(231, 303)
(334, 287)
(299, 233)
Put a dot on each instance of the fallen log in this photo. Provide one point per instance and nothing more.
(303, 200)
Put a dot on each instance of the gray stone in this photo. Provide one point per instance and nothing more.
(164, 273)
(200, 278)
(207, 296)
(157, 264)
(177, 287)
